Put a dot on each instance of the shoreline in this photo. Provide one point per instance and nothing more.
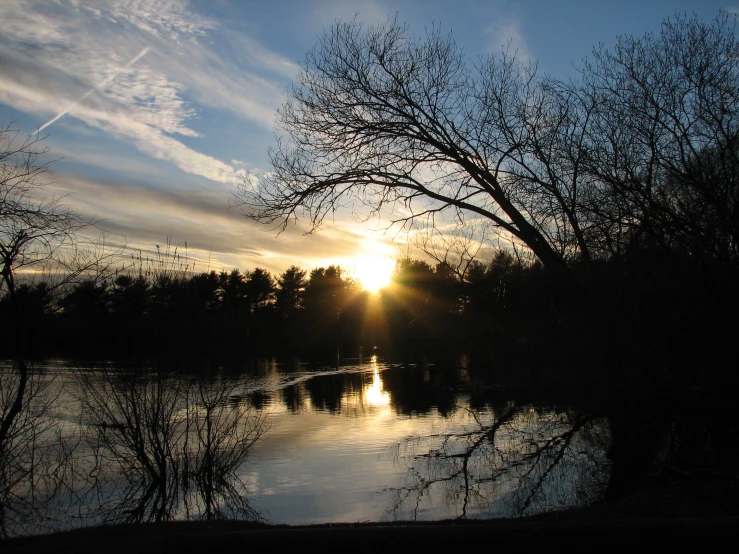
(233, 536)
(672, 513)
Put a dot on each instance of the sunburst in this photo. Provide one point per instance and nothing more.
(374, 272)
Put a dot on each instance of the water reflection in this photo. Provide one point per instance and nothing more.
(364, 441)
(433, 444)
(511, 462)
(344, 391)
(163, 448)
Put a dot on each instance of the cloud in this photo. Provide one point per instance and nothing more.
(87, 154)
(97, 87)
(64, 58)
(216, 236)
(145, 73)
(166, 19)
(507, 35)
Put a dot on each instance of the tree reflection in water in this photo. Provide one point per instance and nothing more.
(36, 451)
(522, 461)
(165, 448)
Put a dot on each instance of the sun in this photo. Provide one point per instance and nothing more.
(374, 272)
(373, 264)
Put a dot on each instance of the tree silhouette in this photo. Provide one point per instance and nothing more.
(612, 161)
(234, 292)
(290, 291)
(34, 230)
(260, 288)
(129, 296)
(657, 124)
(375, 107)
(204, 292)
(327, 292)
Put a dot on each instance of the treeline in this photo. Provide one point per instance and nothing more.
(647, 322)
(425, 311)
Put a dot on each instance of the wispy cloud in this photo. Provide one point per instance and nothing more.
(97, 87)
(133, 68)
(142, 217)
(507, 34)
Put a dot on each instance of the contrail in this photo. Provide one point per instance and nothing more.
(136, 58)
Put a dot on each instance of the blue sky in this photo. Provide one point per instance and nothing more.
(168, 103)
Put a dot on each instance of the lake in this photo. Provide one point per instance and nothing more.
(299, 443)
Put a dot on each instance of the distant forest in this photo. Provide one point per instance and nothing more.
(164, 311)
(507, 312)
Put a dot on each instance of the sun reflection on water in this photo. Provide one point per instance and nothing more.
(375, 395)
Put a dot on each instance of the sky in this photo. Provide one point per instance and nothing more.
(155, 110)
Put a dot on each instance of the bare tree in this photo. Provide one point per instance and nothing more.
(34, 229)
(584, 169)
(381, 118)
(25, 461)
(137, 433)
(41, 233)
(648, 134)
(454, 246)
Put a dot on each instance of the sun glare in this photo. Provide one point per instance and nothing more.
(374, 272)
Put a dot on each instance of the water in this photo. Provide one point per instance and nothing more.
(355, 442)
